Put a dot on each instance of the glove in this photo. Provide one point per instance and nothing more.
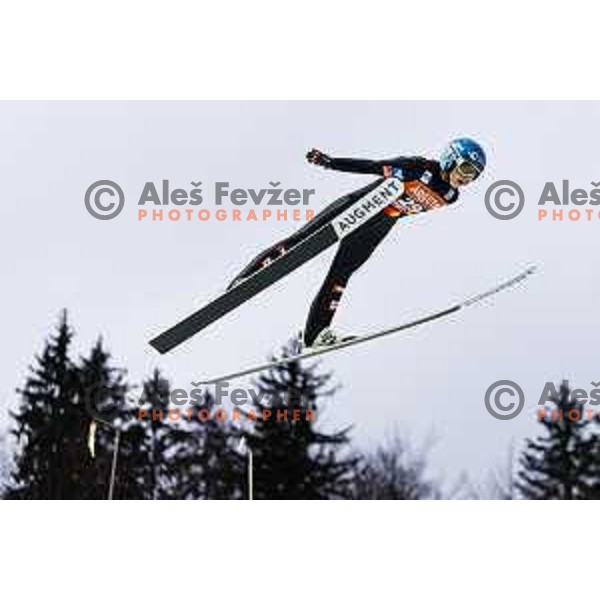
(316, 157)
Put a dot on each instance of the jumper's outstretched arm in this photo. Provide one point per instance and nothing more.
(349, 165)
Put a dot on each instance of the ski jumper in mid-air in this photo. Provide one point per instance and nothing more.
(428, 184)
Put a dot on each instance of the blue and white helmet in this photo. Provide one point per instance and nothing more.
(460, 151)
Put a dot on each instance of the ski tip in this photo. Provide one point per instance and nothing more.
(530, 270)
(505, 285)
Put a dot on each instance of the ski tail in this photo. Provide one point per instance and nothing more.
(244, 291)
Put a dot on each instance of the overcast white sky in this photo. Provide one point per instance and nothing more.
(126, 280)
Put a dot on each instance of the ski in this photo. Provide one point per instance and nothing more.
(354, 216)
(379, 334)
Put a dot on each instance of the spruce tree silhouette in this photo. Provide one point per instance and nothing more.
(292, 458)
(560, 464)
(49, 426)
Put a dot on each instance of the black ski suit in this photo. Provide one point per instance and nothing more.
(422, 179)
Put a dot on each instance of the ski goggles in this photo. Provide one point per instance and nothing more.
(467, 169)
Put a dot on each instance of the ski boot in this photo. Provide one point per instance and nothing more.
(328, 337)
